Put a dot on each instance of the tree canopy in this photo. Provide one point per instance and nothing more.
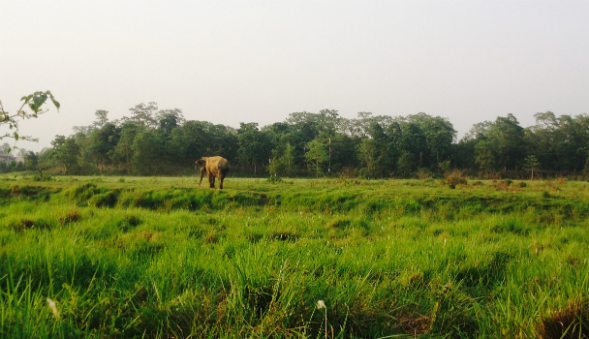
(154, 141)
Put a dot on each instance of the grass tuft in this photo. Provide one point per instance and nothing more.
(571, 322)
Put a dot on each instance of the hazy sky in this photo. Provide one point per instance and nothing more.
(242, 61)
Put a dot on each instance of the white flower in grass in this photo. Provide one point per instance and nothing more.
(53, 308)
(321, 305)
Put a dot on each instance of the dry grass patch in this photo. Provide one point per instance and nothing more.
(569, 323)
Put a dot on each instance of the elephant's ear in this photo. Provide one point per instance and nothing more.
(200, 162)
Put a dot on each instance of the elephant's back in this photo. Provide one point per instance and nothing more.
(219, 163)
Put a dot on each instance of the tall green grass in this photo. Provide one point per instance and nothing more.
(161, 258)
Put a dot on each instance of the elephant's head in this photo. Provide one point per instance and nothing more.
(201, 162)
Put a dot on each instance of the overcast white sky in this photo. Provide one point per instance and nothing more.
(242, 61)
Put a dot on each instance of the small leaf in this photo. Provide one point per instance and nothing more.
(38, 101)
(56, 103)
(15, 135)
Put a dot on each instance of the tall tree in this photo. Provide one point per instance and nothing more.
(368, 154)
(123, 151)
(65, 153)
(101, 118)
(101, 145)
(316, 156)
(148, 153)
(253, 146)
(144, 115)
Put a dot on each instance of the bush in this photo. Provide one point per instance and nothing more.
(456, 177)
(274, 180)
(25, 224)
(37, 177)
(70, 217)
(129, 222)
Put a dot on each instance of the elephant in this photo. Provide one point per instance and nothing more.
(216, 167)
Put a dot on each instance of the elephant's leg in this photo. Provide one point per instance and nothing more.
(212, 181)
(222, 176)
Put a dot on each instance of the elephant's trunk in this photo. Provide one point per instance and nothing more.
(202, 174)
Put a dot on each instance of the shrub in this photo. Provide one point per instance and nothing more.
(37, 177)
(108, 199)
(129, 222)
(422, 174)
(25, 224)
(502, 186)
(72, 216)
(456, 177)
(284, 236)
(274, 180)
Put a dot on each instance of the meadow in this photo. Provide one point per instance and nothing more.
(160, 257)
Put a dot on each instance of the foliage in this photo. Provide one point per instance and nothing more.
(370, 146)
(369, 157)
(531, 163)
(148, 151)
(252, 146)
(34, 102)
(316, 156)
(455, 177)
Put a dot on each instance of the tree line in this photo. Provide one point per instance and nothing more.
(153, 141)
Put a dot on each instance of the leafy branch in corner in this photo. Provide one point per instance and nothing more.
(35, 103)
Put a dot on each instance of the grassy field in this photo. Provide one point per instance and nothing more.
(112, 257)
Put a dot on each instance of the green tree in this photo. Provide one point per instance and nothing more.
(369, 156)
(169, 119)
(316, 156)
(288, 159)
(65, 153)
(485, 156)
(101, 119)
(5, 148)
(253, 146)
(144, 115)
(282, 164)
(31, 160)
(148, 152)
(123, 151)
(530, 163)
(406, 164)
(101, 146)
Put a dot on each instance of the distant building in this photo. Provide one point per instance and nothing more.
(7, 158)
